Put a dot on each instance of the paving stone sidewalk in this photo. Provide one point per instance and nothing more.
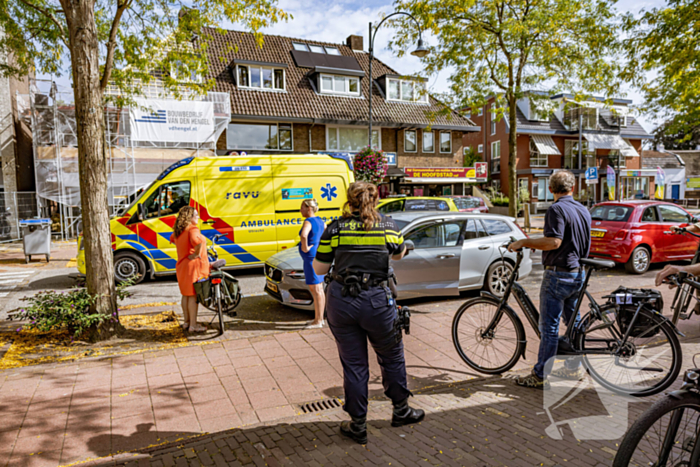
(63, 414)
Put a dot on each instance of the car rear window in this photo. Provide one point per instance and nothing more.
(426, 205)
(494, 227)
(467, 203)
(611, 213)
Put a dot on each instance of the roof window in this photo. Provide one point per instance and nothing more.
(317, 49)
(300, 46)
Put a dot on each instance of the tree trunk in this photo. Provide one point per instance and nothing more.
(92, 160)
(512, 160)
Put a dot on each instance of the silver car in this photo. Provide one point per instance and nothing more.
(453, 251)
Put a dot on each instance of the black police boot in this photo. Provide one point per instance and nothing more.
(406, 415)
(355, 429)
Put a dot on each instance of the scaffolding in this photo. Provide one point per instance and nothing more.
(132, 165)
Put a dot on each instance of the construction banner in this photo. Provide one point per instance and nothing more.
(172, 121)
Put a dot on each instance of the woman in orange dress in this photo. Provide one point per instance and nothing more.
(192, 263)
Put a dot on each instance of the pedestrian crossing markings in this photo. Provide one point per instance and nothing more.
(10, 280)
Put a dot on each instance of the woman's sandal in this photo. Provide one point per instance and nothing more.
(197, 328)
(185, 326)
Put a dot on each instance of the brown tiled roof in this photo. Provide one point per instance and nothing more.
(300, 102)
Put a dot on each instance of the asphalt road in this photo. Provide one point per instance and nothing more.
(17, 282)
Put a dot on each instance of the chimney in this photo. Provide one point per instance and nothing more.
(355, 43)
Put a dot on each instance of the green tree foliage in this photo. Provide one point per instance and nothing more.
(510, 47)
(666, 42)
(123, 45)
(471, 157)
(663, 134)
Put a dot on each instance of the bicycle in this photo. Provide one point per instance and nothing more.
(220, 300)
(632, 343)
(684, 294)
(666, 434)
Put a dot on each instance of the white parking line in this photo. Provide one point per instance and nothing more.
(9, 281)
(16, 274)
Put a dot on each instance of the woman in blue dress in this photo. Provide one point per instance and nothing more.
(310, 234)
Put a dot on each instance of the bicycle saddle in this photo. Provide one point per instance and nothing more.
(597, 263)
(218, 264)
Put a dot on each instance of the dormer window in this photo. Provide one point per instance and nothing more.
(539, 111)
(587, 115)
(341, 85)
(260, 77)
(618, 116)
(406, 90)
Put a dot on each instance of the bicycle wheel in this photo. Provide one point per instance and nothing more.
(643, 444)
(492, 354)
(647, 364)
(219, 307)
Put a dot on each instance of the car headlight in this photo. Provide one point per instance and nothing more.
(296, 274)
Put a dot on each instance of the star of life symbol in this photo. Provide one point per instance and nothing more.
(329, 192)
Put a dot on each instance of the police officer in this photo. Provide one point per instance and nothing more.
(360, 306)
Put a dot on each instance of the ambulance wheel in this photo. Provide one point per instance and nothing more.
(127, 265)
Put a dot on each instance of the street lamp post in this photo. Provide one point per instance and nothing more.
(420, 52)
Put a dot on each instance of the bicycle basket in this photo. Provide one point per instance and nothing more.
(628, 300)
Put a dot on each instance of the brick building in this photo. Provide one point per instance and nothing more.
(300, 96)
(548, 139)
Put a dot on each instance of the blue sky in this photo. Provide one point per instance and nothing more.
(334, 21)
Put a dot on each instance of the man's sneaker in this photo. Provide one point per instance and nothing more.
(532, 381)
(572, 375)
(355, 430)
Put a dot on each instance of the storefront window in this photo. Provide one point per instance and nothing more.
(543, 193)
(635, 187)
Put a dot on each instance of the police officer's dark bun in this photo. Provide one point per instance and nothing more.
(362, 199)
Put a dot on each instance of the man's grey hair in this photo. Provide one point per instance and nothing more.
(562, 182)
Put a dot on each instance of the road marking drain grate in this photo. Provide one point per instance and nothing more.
(319, 406)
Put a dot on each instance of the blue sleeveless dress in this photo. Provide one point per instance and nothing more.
(317, 228)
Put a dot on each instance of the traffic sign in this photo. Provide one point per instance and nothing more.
(591, 175)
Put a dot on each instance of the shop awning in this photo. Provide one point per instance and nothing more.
(394, 172)
(611, 142)
(545, 145)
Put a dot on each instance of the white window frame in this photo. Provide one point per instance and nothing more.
(404, 141)
(481, 111)
(426, 132)
(261, 88)
(347, 80)
(440, 142)
(498, 156)
(493, 120)
(336, 128)
(421, 98)
(539, 157)
(291, 130)
(480, 149)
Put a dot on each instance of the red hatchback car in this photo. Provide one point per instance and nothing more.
(638, 233)
(469, 203)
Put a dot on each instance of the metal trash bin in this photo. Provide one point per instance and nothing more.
(36, 238)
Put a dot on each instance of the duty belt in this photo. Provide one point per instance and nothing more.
(354, 282)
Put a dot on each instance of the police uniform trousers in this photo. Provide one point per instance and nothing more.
(352, 321)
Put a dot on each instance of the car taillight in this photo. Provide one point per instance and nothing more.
(216, 281)
(621, 234)
(521, 229)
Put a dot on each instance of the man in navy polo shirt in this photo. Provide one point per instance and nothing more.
(567, 238)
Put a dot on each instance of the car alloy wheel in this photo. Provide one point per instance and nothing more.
(641, 260)
(499, 274)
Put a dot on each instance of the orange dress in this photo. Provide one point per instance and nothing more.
(190, 271)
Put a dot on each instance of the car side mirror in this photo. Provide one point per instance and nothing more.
(410, 246)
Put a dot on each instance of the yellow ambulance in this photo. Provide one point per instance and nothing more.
(253, 200)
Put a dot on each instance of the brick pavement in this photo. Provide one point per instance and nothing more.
(62, 414)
